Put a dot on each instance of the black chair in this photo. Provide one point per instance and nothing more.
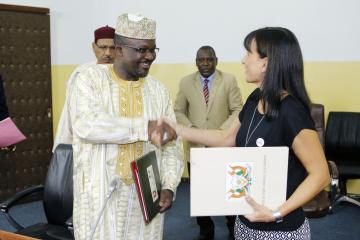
(342, 145)
(57, 199)
(322, 203)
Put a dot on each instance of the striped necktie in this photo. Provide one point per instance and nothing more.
(206, 91)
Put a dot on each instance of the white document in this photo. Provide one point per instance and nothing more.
(222, 177)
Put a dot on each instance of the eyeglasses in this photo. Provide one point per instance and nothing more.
(143, 51)
(105, 47)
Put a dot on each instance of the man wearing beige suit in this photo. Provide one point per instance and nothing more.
(208, 99)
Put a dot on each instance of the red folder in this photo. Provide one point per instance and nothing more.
(146, 176)
(139, 190)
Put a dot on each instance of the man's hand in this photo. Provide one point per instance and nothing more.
(154, 134)
(160, 133)
(152, 126)
(10, 148)
(169, 134)
(166, 198)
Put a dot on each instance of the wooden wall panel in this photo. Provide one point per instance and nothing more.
(25, 67)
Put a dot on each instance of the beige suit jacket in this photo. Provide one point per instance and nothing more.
(223, 107)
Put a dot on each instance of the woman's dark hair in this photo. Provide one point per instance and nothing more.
(285, 68)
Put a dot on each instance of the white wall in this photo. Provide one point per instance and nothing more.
(328, 30)
(33, 3)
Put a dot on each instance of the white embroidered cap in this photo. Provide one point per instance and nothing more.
(135, 26)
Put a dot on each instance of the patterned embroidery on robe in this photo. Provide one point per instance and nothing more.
(131, 106)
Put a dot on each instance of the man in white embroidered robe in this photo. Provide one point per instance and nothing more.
(113, 109)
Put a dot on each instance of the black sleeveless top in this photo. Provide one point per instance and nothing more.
(293, 117)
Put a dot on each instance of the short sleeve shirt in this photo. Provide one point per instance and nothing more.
(281, 131)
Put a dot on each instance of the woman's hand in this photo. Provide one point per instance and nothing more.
(260, 214)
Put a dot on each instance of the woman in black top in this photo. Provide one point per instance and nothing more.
(275, 114)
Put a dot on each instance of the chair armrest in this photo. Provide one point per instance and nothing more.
(12, 201)
(7, 204)
(69, 224)
(334, 172)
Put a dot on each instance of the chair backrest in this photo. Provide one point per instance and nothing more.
(343, 137)
(58, 192)
(319, 205)
(317, 114)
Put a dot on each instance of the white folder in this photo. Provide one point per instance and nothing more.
(222, 177)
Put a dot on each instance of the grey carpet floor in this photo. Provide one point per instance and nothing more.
(343, 223)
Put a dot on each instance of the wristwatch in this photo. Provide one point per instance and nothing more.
(277, 216)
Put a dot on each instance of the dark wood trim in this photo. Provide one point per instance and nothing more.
(13, 236)
(26, 9)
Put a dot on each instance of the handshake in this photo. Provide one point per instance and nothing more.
(161, 132)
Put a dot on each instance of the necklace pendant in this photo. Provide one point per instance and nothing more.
(260, 142)
(249, 134)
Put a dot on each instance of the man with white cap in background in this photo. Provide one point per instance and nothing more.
(113, 111)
